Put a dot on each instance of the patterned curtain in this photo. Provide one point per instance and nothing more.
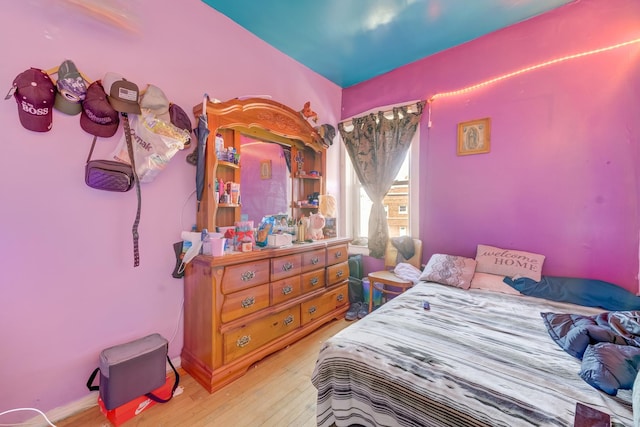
(377, 146)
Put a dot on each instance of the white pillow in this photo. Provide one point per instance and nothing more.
(449, 270)
(491, 282)
(509, 262)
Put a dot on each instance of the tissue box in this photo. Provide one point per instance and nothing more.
(277, 240)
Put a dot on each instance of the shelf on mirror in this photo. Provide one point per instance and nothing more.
(228, 164)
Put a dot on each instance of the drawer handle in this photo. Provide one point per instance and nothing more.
(287, 266)
(243, 341)
(248, 302)
(339, 254)
(288, 320)
(248, 275)
(340, 297)
(339, 273)
(315, 260)
(312, 309)
(314, 281)
(287, 290)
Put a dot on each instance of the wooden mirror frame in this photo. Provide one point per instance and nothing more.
(258, 117)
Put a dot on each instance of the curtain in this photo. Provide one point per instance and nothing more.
(377, 146)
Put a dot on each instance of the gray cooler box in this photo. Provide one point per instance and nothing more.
(130, 370)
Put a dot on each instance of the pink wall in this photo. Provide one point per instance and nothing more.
(562, 178)
(68, 285)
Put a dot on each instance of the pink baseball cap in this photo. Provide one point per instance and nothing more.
(35, 95)
(98, 117)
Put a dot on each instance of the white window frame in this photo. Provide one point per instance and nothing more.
(350, 191)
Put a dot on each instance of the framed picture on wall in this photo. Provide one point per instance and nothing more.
(265, 169)
(474, 137)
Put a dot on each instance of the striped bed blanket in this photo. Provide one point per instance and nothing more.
(476, 358)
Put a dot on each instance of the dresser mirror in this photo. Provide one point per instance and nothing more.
(263, 193)
(268, 128)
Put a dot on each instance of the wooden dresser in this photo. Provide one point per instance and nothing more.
(242, 307)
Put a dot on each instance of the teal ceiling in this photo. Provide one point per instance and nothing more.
(350, 41)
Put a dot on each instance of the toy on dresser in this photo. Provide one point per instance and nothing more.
(316, 224)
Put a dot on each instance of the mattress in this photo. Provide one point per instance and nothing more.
(475, 358)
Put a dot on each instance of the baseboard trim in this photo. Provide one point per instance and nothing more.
(73, 408)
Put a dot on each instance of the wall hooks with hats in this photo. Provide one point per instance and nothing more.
(72, 88)
(35, 95)
(54, 70)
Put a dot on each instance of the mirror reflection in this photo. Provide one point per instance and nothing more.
(264, 193)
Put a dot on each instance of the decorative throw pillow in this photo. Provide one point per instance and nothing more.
(509, 262)
(491, 282)
(449, 270)
(587, 292)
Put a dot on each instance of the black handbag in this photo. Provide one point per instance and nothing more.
(108, 175)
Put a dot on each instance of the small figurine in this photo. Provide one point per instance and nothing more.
(308, 113)
(300, 162)
(316, 224)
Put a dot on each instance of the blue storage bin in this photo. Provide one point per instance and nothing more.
(377, 295)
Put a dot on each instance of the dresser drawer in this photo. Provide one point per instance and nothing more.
(323, 304)
(336, 254)
(247, 301)
(313, 260)
(285, 266)
(312, 280)
(253, 335)
(285, 289)
(337, 273)
(243, 276)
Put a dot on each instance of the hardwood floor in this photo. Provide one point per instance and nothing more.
(276, 391)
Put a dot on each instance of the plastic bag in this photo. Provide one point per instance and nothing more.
(264, 229)
(155, 142)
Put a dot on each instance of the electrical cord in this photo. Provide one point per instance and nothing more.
(26, 409)
(183, 205)
(175, 332)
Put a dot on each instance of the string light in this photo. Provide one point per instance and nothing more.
(524, 70)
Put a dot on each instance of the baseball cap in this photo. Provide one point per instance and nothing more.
(98, 117)
(35, 94)
(327, 133)
(71, 89)
(122, 94)
(181, 120)
(155, 101)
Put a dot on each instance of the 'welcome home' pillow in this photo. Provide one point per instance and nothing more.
(509, 262)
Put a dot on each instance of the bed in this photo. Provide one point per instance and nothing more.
(475, 358)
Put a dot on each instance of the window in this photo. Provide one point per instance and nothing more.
(401, 202)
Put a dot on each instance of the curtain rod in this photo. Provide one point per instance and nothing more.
(387, 109)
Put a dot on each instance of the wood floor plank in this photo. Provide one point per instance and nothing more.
(275, 392)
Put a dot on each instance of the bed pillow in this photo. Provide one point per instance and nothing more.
(491, 282)
(509, 262)
(586, 292)
(449, 270)
(610, 367)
